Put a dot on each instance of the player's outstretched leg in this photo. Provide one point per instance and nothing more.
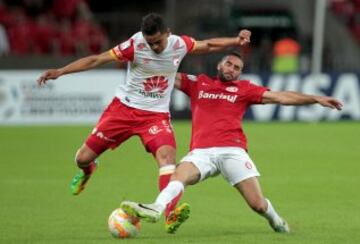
(152, 212)
(149, 212)
(251, 191)
(165, 173)
(280, 226)
(177, 218)
(277, 223)
(81, 178)
(85, 159)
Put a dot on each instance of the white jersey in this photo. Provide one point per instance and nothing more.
(150, 77)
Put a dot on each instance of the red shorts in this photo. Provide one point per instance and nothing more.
(119, 122)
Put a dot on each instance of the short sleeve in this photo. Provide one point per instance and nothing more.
(187, 83)
(189, 42)
(124, 51)
(255, 93)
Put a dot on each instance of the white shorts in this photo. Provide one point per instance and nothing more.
(233, 163)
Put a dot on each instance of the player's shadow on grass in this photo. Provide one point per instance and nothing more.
(204, 235)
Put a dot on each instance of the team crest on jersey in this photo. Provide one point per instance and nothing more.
(141, 46)
(231, 89)
(154, 87)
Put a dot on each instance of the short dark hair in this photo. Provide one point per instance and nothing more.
(236, 54)
(153, 23)
(233, 53)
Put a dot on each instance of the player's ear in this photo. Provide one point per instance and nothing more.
(218, 66)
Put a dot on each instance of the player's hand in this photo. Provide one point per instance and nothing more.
(329, 102)
(50, 74)
(244, 37)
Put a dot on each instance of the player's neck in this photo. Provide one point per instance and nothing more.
(223, 80)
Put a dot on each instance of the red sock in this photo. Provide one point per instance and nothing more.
(172, 205)
(163, 182)
(88, 169)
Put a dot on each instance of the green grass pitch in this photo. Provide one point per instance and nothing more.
(310, 171)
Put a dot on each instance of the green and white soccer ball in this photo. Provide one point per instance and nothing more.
(121, 225)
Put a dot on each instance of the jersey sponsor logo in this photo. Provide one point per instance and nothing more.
(154, 87)
(217, 96)
(231, 89)
(154, 130)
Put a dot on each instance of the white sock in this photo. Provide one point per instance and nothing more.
(270, 213)
(171, 191)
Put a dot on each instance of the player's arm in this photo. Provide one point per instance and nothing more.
(178, 80)
(81, 64)
(220, 44)
(296, 98)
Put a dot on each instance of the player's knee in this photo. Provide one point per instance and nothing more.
(178, 175)
(186, 173)
(165, 157)
(82, 158)
(259, 206)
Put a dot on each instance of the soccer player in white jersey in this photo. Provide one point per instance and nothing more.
(218, 143)
(141, 103)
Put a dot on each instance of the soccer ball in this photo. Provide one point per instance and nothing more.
(122, 225)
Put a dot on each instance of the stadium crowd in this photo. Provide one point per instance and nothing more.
(348, 11)
(59, 27)
(65, 28)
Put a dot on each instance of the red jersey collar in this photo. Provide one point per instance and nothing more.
(225, 83)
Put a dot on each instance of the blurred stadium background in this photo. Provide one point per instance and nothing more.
(310, 164)
(291, 45)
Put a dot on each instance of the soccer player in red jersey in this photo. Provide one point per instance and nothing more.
(218, 143)
(141, 103)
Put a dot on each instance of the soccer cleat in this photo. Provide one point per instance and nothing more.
(177, 217)
(148, 212)
(280, 226)
(78, 182)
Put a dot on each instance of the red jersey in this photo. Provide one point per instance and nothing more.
(218, 108)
